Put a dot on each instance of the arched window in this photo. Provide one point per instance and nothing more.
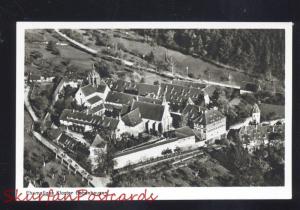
(153, 126)
(160, 129)
(147, 126)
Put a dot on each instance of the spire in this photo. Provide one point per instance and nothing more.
(164, 96)
(93, 67)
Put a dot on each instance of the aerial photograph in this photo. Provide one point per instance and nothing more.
(154, 107)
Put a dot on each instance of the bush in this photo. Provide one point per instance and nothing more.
(191, 75)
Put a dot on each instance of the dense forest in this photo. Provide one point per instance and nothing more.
(257, 51)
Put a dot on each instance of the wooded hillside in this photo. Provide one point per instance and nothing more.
(258, 51)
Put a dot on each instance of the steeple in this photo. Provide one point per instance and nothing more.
(164, 96)
(94, 77)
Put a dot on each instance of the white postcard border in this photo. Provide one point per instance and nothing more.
(165, 193)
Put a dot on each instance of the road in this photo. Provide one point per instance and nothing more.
(28, 106)
(72, 41)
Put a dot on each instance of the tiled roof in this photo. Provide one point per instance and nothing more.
(149, 111)
(125, 109)
(145, 89)
(54, 133)
(149, 100)
(97, 108)
(67, 141)
(211, 116)
(94, 99)
(193, 112)
(132, 118)
(180, 94)
(101, 87)
(184, 132)
(98, 142)
(88, 119)
(119, 98)
(88, 90)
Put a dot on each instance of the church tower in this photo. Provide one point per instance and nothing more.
(94, 77)
(167, 118)
(256, 113)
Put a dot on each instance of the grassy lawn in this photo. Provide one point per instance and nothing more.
(73, 53)
(195, 65)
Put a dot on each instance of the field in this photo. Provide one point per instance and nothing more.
(74, 57)
(196, 66)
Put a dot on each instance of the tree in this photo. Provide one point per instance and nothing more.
(150, 57)
(191, 75)
(177, 149)
(41, 104)
(166, 151)
(51, 46)
(36, 54)
(103, 68)
(103, 39)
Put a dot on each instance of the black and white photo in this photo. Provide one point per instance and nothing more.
(179, 108)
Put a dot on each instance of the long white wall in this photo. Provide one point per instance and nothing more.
(152, 152)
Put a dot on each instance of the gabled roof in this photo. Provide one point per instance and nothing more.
(149, 100)
(94, 99)
(149, 111)
(132, 118)
(88, 90)
(119, 98)
(211, 116)
(125, 109)
(184, 132)
(145, 89)
(210, 89)
(179, 94)
(255, 108)
(193, 112)
(98, 142)
(67, 141)
(88, 119)
(97, 108)
(101, 87)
